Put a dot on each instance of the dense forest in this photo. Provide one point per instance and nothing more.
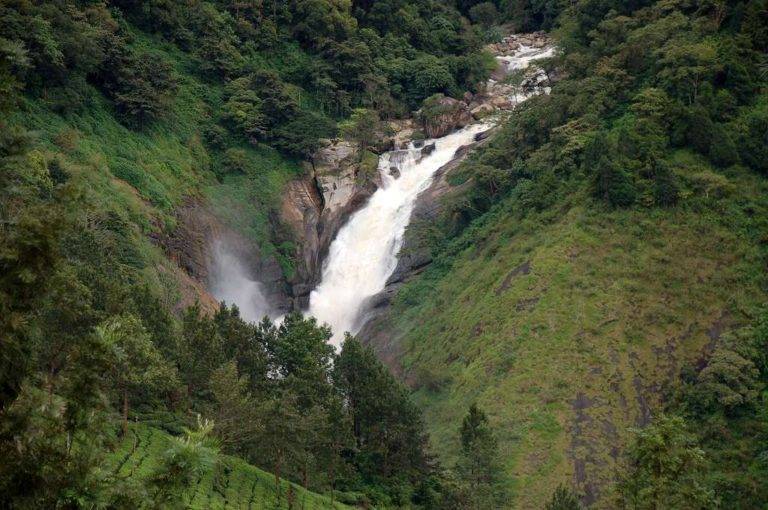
(644, 168)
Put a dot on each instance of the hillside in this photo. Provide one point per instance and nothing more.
(598, 257)
(565, 289)
(229, 483)
(146, 145)
(566, 325)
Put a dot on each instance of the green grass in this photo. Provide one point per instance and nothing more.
(570, 355)
(233, 485)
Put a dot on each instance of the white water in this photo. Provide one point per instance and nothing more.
(232, 283)
(364, 253)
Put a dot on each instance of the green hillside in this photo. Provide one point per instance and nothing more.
(118, 121)
(230, 483)
(604, 265)
(566, 325)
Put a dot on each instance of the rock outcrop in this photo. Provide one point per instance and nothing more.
(339, 180)
(441, 115)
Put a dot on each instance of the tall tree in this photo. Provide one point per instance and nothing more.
(387, 428)
(479, 464)
(137, 364)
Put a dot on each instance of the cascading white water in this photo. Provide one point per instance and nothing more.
(232, 283)
(364, 253)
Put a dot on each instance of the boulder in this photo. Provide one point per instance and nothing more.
(500, 102)
(315, 207)
(441, 115)
(482, 111)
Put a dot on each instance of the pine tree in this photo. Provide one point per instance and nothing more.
(136, 363)
(479, 465)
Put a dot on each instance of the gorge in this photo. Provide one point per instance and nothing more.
(543, 222)
(362, 248)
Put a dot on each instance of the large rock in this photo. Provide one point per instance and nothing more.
(440, 115)
(339, 180)
(482, 111)
(300, 211)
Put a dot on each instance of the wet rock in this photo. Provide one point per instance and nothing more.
(427, 149)
(483, 135)
(339, 181)
(394, 172)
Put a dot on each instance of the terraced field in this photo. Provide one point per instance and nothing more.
(232, 484)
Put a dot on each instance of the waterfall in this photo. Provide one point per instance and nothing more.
(231, 282)
(364, 253)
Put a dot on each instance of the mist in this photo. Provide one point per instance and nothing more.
(231, 281)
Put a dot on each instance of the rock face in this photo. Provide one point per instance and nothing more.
(190, 246)
(443, 115)
(336, 184)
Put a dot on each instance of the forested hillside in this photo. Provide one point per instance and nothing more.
(604, 263)
(116, 118)
(591, 330)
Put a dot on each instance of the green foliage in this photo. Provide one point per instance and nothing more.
(484, 13)
(479, 466)
(666, 468)
(387, 429)
(142, 86)
(136, 363)
(185, 462)
(218, 481)
(362, 126)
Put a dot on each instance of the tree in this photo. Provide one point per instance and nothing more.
(362, 127)
(729, 382)
(136, 365)
(479, 464)
(235, 410)
(665, 469)
(389, 436)
(613, 184)
(188, 459)
(142, 86)
(201, 352)
(484, 13)
(302, 356)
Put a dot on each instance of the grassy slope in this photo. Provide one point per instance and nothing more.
(570, 355)
(240, 486)
(144, 174)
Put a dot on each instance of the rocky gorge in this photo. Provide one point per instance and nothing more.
(341, 177)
